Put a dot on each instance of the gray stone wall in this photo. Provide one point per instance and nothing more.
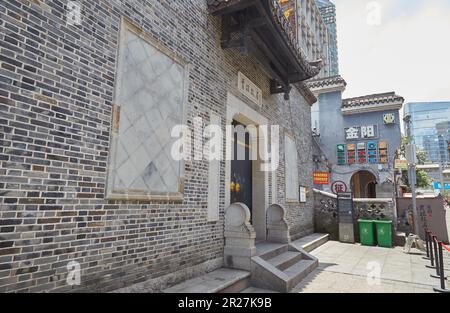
(326, 219)
(56, 95)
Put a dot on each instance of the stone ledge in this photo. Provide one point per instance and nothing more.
(213, 282)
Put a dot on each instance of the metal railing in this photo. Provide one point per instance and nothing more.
(435, 253)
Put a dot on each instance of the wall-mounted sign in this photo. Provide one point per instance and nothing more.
(321, 178)
(352, 133)
(341, 159)
(389, 118)
(437, 185)
(372, 151)
(383, 152)
(401, 164)
(368, 131)
(249, 89)
(338, 187)
(302, 194)
(361, 132)
(362, 156)
(351, 153)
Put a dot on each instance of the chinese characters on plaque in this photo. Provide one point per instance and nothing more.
(361, 132)
(249, 89)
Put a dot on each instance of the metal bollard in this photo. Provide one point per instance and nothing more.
(442, 277)
(431, 250)
(427, 243)
(437, 264)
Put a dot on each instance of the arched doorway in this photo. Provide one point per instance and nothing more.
(364, 185)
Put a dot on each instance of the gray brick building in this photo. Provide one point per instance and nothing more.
(76, 138)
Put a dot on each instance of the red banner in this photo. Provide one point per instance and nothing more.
(321, 178)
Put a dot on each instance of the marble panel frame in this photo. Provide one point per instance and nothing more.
(142, 195)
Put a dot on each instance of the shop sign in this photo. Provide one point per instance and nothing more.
(249, 89)
(321, 178)
(339, 187)
(361, 132)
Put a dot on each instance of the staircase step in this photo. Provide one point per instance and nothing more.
(270, 250)
(222, 280)
(311, 242)
(257, 290)
(299, 271)
(285, 260)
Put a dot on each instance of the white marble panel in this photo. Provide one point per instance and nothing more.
(150, 93)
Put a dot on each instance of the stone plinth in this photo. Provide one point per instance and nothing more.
(239, 237)
(277, 226)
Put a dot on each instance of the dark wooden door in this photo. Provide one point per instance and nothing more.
(241, 168)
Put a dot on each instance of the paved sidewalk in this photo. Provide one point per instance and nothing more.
(344, 268)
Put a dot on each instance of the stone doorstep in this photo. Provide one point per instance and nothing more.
(225, 280)
(311, 242)
(217, 281)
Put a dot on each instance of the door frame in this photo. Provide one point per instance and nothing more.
(239, 111)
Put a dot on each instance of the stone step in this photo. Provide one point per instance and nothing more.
(270, 250)
(311, 242)
(299, 271)
(257, 290)
(285, 260)
(284, 269)
(222, 280)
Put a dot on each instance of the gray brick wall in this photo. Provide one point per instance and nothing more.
(56, 94)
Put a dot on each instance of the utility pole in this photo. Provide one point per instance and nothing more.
(441, 177)
(412, 160)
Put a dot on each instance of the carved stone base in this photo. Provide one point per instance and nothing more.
(277, 226)
(239, 237)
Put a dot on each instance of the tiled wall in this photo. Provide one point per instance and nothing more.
(56, 97)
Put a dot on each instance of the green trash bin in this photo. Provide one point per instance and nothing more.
(366, 232)
(384, 233)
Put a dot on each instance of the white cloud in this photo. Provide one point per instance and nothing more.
(409, 52)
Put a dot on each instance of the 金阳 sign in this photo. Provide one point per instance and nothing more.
(361, 132)
(321, 178)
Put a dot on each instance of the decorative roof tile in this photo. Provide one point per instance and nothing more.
(372, 100)
(326, 82)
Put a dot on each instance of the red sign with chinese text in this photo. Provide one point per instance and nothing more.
(321, 178)
(338, 187)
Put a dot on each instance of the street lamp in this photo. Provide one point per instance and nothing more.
(412, 160)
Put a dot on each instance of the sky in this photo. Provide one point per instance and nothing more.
(395, 45)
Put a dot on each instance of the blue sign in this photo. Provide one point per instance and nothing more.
(437, 186)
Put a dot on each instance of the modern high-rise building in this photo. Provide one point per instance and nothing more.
(328, 12)
(431, 128)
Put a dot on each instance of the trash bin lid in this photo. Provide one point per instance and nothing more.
(383, 222)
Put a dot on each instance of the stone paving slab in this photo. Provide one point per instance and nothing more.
(343, 268)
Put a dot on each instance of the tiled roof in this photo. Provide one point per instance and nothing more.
(310, 69)
(371, 100)
(326, 82)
